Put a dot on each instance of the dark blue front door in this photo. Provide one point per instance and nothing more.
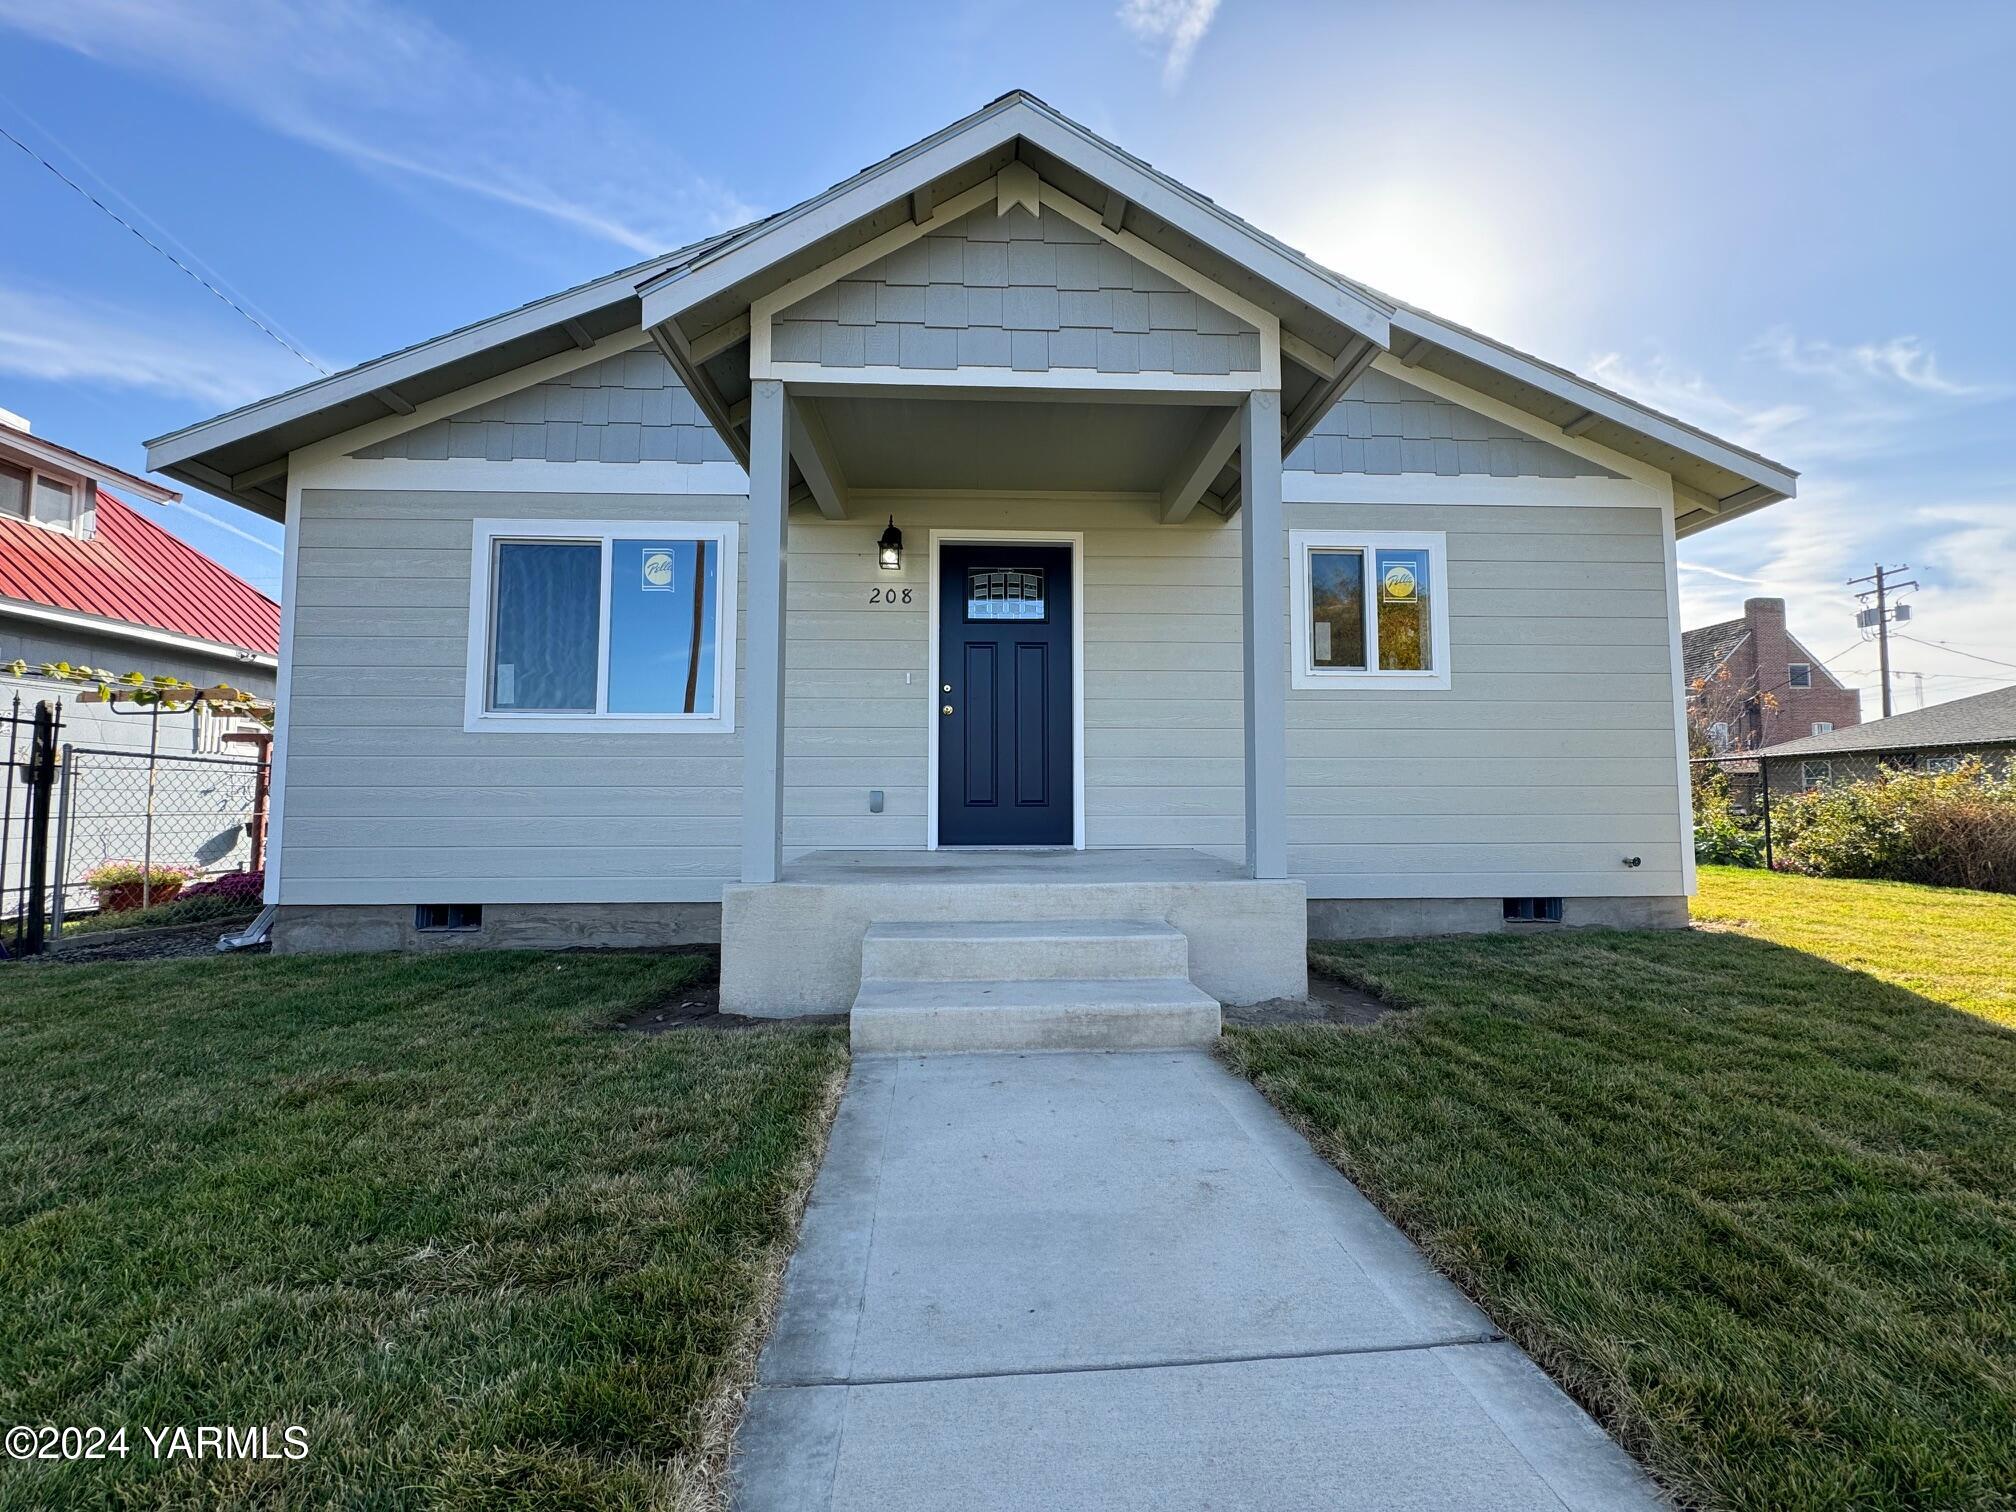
(1004, 695)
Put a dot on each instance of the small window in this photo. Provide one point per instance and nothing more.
(1533, 910)
(433, 918)
(1718, 735)
(1822, 726)
(1799, 675)
(14, 484)
(55, 503)
(604, 626)
(1369, 610)
(1813, 774)
(996, 593)
(1941, 765)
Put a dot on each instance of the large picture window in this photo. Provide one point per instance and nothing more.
(605, 625)
(1370, 609)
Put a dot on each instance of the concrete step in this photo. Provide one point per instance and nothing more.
(1111, 1013)
(1026, 950)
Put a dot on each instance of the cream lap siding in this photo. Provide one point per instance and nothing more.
(1163, 743)
(389, 800)
(1012, 291)
(1552, 756)
(627, 408)
(1383, 426)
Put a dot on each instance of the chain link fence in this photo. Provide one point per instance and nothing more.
(202, 816)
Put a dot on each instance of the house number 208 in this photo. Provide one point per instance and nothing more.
(889, 595)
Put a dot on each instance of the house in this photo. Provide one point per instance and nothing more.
(1750, 683)
(1937, 739)
(88, 580)
(1005, 563)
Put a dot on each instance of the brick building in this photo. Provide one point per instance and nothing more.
(1750, 683)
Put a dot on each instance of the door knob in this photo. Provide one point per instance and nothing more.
(946, 710)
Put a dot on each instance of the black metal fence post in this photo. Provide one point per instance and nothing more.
(41, 779)
(1764, 782)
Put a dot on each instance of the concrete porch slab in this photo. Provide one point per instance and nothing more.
(1122, 1280)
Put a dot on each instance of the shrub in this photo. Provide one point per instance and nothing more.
(121, 885)
(1949, 829)
(243, 886)
(1722, 837)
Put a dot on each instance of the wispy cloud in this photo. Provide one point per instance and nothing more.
(1172, 28)
(392, 92)
(60, 339)
(1831, 402)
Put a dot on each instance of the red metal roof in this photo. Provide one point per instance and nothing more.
(132, 570)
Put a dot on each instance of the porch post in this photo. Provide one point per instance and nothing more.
(763, 681)
(1264, 598)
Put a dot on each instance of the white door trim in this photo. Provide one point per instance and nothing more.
(1075, 539)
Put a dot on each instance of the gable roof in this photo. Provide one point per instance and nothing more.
(1337, 324)
(1983, 719)
(1705, 649)
(131, 572)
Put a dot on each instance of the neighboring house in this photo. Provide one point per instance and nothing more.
(1937, 739)
(1229, 594)
(1751, 684)
(87, 580)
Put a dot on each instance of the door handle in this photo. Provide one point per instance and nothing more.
(946, 710)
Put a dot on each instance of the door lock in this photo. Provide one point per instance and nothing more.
(946, 687)
(946, 710)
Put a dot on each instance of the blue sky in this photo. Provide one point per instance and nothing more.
(1789, 223)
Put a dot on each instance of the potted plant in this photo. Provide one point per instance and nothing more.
(123, 885)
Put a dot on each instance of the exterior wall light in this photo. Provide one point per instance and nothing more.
(890, 547)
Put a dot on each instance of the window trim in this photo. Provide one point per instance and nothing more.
(1822, 727)
(1791, 679)
(83, 497)
(477, 715)
(1305, 674)
(1807, 781)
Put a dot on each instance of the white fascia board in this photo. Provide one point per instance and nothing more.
(668, 294)
(178, 446)
(127, 630)
(1647, 423)
(48, 456)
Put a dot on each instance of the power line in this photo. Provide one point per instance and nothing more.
(1949, 646)
(162, 251)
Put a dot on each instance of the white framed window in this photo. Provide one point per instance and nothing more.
(1718, 735)
(1822, 726)
(1942, 764)
(612, 626)
(59, 502)
(1799, 674)
(15, 485)
(1370, 609)
(1814, 774)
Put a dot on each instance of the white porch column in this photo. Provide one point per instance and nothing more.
(1264, 597)
(763, 677)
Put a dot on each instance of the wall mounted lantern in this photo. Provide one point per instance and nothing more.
(890, 547)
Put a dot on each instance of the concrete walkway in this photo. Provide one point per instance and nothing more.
(1118, 1281)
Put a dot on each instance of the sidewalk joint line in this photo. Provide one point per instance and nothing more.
(1489, 1337)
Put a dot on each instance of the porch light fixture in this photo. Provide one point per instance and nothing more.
(890, 547)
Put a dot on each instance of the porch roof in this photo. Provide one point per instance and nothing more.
(696, 303)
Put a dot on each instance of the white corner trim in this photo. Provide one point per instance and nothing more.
(1468, 488)
(1519, 420)
(527, 475)
(1076, 540)
(283, 696)
(1682, 755)
(558, 365)
(477, 716)
(1304, 674)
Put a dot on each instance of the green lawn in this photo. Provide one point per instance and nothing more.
(1749, 1192)
(481, 1247)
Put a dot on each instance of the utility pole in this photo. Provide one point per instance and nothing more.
(1880, 616)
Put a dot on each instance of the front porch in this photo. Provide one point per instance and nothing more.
(795, 946)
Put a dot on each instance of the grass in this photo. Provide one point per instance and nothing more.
(482, 1248)
(1749, 1193)
(1945, 943)
(163, 915)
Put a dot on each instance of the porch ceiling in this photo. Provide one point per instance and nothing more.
(904, 442)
